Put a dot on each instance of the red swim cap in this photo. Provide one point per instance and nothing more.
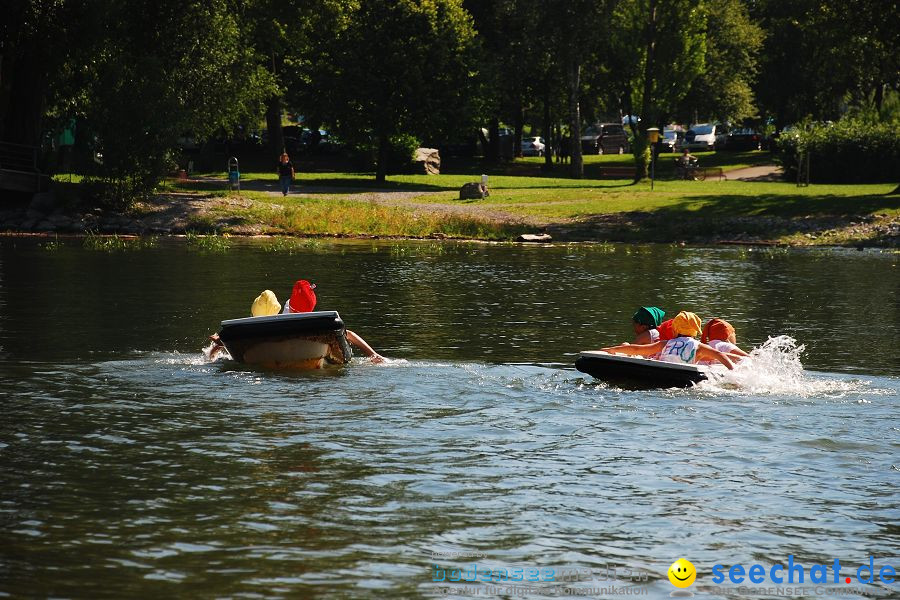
(666, 330)
(303, 298)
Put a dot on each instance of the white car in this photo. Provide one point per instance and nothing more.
(533, 146)
(704, 136)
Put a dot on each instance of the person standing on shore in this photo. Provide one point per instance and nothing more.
(285, 173)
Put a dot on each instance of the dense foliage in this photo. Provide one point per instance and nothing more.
(849, 151)
(139, 78)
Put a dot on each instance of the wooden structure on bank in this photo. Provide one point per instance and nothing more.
(19, 171)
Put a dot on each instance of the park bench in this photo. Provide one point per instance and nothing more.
(713, 172)
(697, 172)
(617, 172)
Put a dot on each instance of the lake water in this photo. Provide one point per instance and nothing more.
(130, 466)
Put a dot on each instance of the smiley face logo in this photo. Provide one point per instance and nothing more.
(682, 573)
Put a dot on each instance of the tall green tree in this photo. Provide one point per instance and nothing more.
(578, 29)
(658, 49)
(136, 75)
(164, 70)
(394, 68)
(34, 37)
(282, 35)
(822, 57)
(733, 41)
(509, 65)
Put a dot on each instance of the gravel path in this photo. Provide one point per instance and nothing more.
(760, 173)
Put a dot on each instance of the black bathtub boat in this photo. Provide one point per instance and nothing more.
(640, 371)
(288, 341)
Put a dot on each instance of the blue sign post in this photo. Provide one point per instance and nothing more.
(234, 174)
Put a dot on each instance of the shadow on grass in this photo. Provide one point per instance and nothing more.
(733, 217)
(342, 185)
(782, 205)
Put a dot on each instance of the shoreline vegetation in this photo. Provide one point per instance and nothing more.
(522, 200)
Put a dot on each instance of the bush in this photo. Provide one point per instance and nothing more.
(115, 194)
(849, 151)
(401, 152)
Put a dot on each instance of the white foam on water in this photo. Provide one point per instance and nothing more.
(219, 355)
(774, 368)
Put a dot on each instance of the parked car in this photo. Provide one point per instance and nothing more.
(533, 146)
(604, 138)
(742, 139)
(670, 140)
(704, 136)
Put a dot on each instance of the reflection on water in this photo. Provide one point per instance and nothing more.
(134, 467)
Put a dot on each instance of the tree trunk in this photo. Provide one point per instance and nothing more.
(648, 113)
(381, 165)
(273, 124)
(547, 131)
(574, 76)
(493, 152)
(518, 126)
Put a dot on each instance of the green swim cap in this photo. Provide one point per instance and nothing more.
(650, 316)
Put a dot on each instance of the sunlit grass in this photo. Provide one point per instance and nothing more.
(116, 243)
(207, 243)
(347, 217)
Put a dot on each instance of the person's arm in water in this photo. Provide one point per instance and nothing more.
(217, 348)
(636, 349)
(362, 345)
(706, 352)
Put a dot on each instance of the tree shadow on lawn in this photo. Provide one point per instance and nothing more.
(764, 217)
(781, 205)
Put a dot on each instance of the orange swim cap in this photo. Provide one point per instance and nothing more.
(686, 323)
(717, 329)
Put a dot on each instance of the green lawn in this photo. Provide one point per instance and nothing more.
(555, 198)
(523, 172)
(726, 199)
(333, 203)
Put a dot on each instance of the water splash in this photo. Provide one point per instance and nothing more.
(213, 352)
(774, 368)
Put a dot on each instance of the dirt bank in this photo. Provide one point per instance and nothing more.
(175, 213)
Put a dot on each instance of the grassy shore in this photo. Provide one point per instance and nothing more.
(525, 198)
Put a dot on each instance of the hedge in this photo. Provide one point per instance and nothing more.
(849, 151)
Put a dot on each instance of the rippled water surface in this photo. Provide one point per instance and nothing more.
(133, 467)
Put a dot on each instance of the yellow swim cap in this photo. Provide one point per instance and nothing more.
(686, 323)
(266, 304)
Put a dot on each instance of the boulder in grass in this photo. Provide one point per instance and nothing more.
(473, 191)
(427, 161)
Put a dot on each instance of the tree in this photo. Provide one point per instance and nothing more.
(189, 73)
(658, 50)
(282, 34)
(823, 56)
(578, 28)
(33, 36)
(396, 68)
(724, 91)
(508, 32)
